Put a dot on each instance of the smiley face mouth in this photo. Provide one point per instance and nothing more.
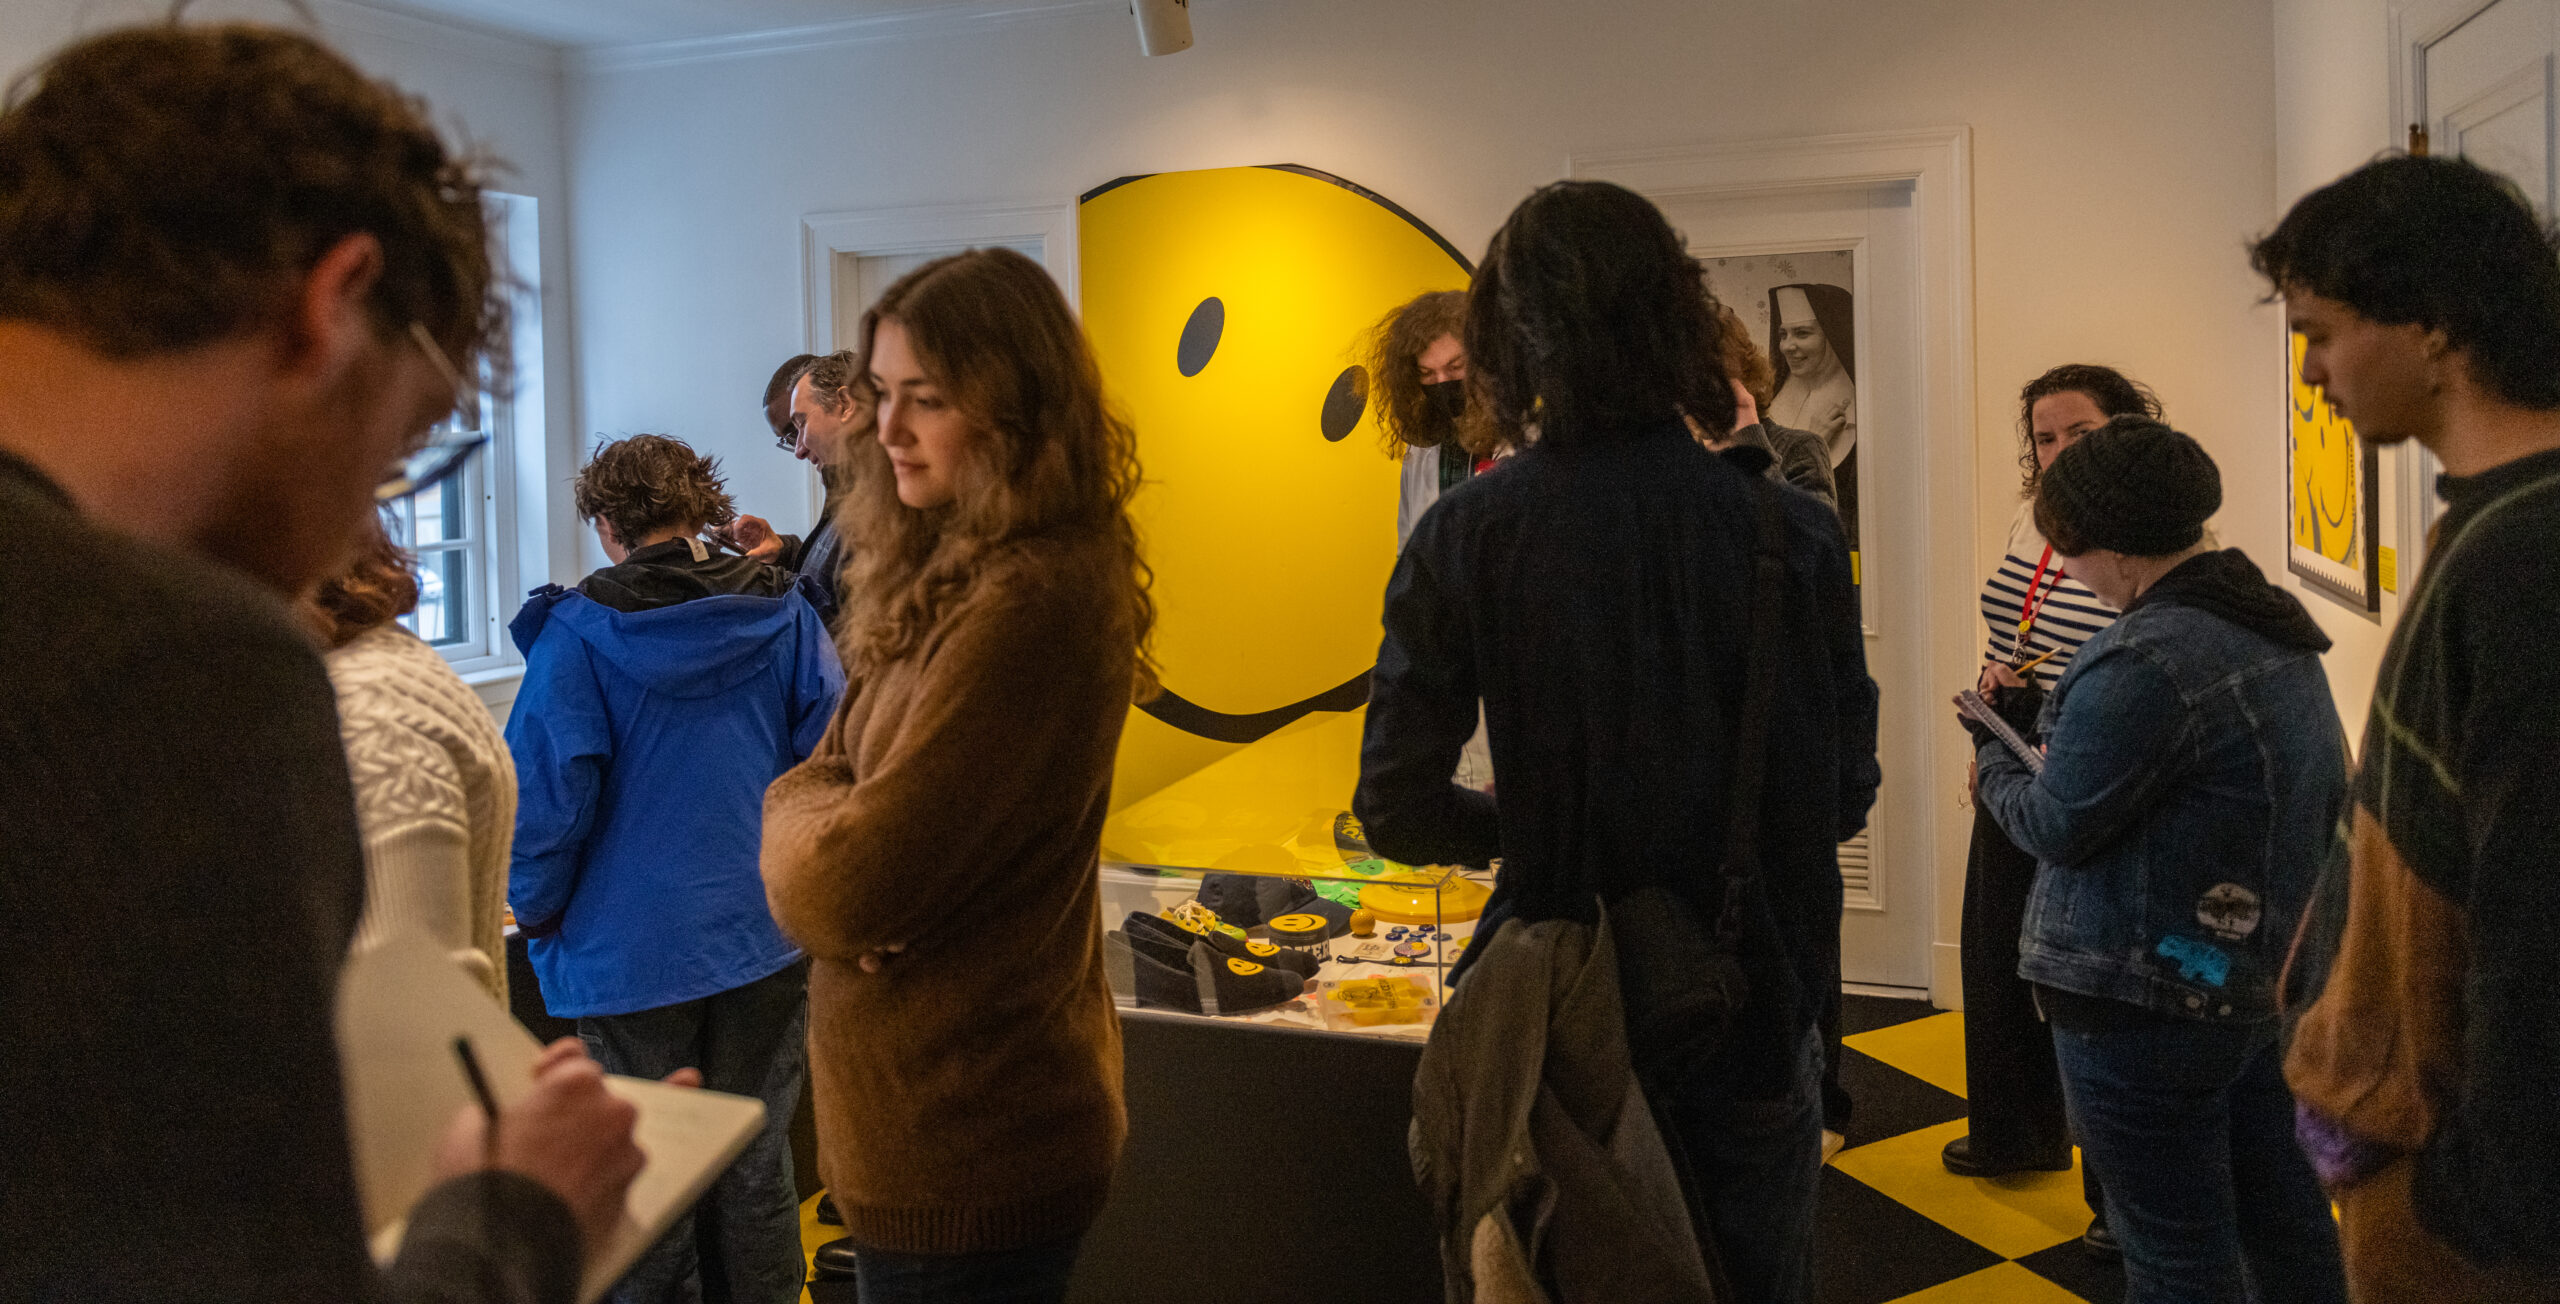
(1190, 717)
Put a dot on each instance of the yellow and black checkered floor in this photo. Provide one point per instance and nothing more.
(1895, 1225)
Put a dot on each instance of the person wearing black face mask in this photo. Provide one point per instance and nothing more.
(1418, 373)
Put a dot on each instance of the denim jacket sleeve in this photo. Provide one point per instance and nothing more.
(1422, 710)
(2119, 721)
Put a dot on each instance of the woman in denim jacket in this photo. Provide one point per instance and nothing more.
(2195, 767)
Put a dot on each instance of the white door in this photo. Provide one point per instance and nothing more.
(2484, 89)
(1755, 245)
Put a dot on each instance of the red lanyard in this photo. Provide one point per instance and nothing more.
(2032, 605)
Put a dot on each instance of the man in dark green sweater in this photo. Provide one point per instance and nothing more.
(2427, 1059)
(237, 282)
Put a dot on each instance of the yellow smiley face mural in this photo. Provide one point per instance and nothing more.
(2331, 494)
(1229, 310)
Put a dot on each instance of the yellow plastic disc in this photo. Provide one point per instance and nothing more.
(1463, 899)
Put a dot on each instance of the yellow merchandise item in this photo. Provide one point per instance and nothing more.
(1228, 308)
(1457, 901)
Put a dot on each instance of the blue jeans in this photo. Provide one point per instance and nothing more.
(749, 1041)
(2190, 1128)
(1033, 1275)
(1757, 1167)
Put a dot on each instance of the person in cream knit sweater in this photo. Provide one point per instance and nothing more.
(435, 788)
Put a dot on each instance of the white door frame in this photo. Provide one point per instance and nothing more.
(1936, 163)
(2415, 27)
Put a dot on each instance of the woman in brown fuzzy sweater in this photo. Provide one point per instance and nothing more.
(936, 853)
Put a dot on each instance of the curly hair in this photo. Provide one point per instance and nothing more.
(1590, 321)
(2114, 393)
(646, 483)
(378, 585)
(838, 379)
(1406, 418)
(1050, 458)
(2439, 243)
(1743, 358)
(167, 185)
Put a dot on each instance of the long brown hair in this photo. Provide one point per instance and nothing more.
(991, 330)
(377, 585)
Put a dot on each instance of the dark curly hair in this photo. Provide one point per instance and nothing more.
(1406, 418)
(645, 483)
(778, 389)
(1590, 320)
(378, 585)
(2115, 393)
(2439, 243)
(166, 185)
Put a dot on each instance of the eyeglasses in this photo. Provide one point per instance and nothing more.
(442, 452)
(788, 437)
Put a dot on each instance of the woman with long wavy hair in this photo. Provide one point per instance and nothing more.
(936, 853)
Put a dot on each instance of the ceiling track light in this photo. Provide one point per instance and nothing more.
(1164, 26)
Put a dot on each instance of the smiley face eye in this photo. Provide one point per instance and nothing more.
(1200, 337)
(1344, 404)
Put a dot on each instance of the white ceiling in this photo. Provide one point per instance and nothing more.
(626, 22)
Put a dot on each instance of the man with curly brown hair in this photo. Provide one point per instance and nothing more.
(1418, 372)
(661, 696)
(238, 280)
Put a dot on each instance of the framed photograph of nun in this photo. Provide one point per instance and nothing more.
(1801, 307)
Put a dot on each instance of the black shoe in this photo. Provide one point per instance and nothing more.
(827, 1210)
(2101, 1242)
(833, 1261)
(1174, 939)
(1206, 982)
(1959, 1159)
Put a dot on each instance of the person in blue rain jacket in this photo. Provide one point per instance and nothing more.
(661, 696)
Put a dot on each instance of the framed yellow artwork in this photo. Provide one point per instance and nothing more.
(2334, 483)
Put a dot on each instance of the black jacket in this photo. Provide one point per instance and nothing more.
(681, 570)
(820, 555)
(1596, 600)
(180, 874)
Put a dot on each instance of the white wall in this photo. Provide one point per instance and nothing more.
(2333, 113)
(2122, 155)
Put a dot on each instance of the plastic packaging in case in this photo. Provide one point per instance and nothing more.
(1352, 1003)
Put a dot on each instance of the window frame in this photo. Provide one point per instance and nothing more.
(503, 481)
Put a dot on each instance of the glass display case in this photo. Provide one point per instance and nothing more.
(1246, 891)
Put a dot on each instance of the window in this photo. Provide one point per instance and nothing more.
(464, 530)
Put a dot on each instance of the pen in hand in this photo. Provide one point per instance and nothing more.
(488, 1103)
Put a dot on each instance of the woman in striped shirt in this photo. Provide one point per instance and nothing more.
(2039, 618)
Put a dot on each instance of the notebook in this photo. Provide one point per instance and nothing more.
(400, 1005)
(1974, 707)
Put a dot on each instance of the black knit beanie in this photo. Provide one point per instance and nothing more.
(2132, 486)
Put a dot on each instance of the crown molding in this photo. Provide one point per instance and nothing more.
(456, 38)
(939, 20)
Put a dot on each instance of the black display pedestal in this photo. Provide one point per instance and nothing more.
(1263, 1164)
